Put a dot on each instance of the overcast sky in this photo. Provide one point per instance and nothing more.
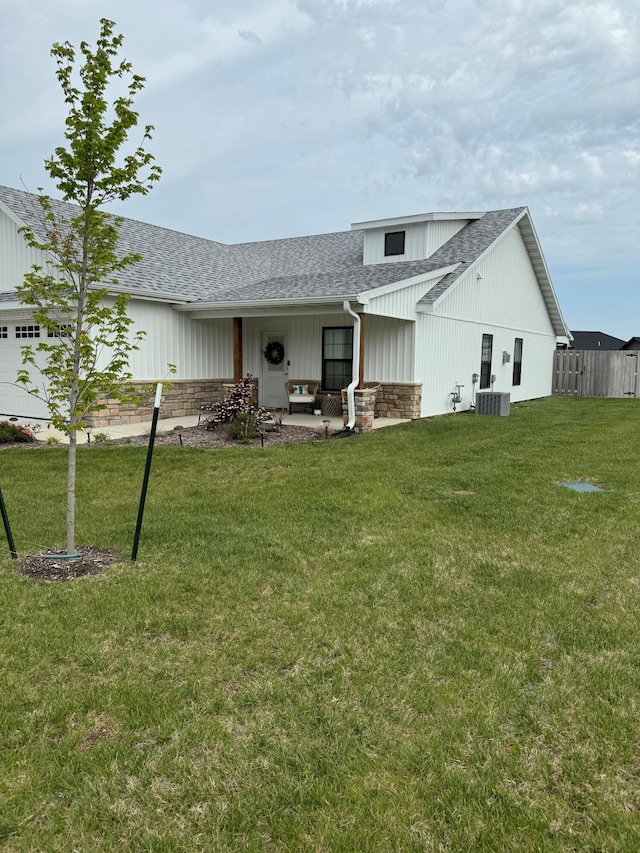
(275, 118)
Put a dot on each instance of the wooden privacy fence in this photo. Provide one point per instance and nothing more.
(596, 373)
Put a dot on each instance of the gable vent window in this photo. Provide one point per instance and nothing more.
(27, 331)
(4, 331)
(485, 363)
(394, 243)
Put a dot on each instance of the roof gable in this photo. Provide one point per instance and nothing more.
(473, 241)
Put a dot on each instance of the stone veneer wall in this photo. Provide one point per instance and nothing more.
(399, 400)
(187, 396)
(383, 400)
(364, 399)
(184, 397)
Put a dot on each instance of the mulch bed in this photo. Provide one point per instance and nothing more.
(93, 561)
(196, 436)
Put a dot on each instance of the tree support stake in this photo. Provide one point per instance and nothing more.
(147, 469)
(7, 528)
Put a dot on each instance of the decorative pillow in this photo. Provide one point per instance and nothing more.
(300, 389)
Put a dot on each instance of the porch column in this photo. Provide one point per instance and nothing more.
(361, 370)
(237, 349)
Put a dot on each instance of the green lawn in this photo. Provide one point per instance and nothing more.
(322, 647)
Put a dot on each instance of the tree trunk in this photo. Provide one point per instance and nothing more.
(71, 492)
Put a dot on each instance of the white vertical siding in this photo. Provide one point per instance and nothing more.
(449, 351)
(388, 345)
(17, 257)
(401, 303)
(506, 303)
(304, 335)
(508, 293)
(421, 240)
(200, 349)
(389, 349)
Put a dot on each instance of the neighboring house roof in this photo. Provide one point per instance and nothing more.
(595, 340)
(632, 343)
(181, 268)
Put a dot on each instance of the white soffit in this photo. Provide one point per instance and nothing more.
(532, 244)
(418, 217)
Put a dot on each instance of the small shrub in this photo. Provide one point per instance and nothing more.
(53, 441)
(14, 432)
(239, 401)
(242, 428)
(102, 438)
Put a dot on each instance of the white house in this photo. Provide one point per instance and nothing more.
(440, 300)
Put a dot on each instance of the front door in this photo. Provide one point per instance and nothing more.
(273, 394)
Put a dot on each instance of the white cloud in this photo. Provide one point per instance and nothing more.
(276, 117)
(587, 212)
(593, 164)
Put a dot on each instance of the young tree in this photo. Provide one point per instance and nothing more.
(85, 355)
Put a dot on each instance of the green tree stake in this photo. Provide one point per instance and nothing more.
(147, 470)
(7, 528)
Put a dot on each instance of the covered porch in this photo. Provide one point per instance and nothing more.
(326, 346)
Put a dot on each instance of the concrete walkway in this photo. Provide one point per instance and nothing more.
(165, 425)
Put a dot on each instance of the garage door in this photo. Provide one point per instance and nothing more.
(16, 401)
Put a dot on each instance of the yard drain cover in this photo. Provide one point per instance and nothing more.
(581, 487)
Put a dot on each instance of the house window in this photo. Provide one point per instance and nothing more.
(394, 243)
(337, 357)
(4, 331)
(63, 330)
(27, 331)
(485, 364)
(517, 361)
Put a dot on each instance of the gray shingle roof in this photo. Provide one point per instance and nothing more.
(194, 269)
(342, 283)
(175, 263)
(595, 340)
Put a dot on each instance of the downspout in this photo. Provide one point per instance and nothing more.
(355, 373)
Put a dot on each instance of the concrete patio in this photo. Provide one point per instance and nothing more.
(165, 425)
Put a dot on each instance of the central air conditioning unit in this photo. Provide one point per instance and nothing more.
(493, 403)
